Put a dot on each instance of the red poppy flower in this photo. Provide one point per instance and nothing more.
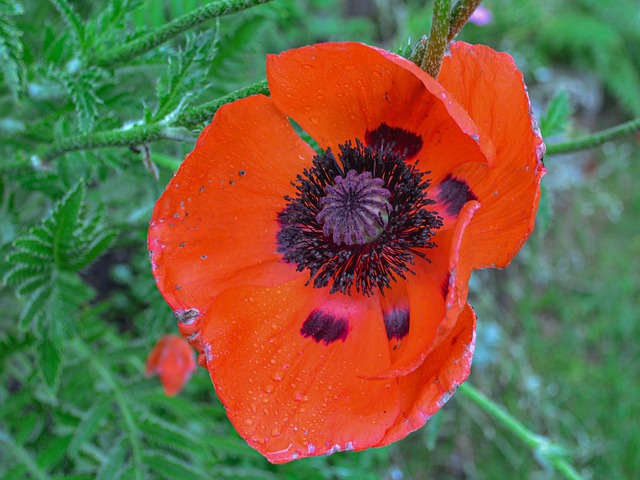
(327, 292)
(173, 360)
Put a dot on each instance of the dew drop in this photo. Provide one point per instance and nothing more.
(268, 388)
(276, 432)
(277, 376)
(248, 422)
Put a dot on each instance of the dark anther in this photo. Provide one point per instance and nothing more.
(357, 221)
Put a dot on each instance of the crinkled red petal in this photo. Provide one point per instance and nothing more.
(294, 390)
(491, 88)
(428, 388)
(341, 91)
(216, 224)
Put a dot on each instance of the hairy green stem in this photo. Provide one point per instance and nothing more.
(202, 113)
(595, 139)
(139, 135)
(547, 450)
(181, 24)
(460, 15)
(110, 138)
(437, 43)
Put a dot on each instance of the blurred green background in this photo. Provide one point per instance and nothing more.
(558, 333)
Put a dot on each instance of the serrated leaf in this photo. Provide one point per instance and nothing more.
(34, 244)
(47, 261)
(170, 467)
(97, 247)
(72, 20)
(557, 117)
(11, 50)
(32, 284)
(166, 434)
(89, 425)
(29, 258)
(34, 310)
(544, 217)
(187, 68)
(114, 465)
(20, 274)
(49, 362)
(64, 219)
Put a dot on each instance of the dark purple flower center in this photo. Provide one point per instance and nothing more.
(355, 210)
(357, 221)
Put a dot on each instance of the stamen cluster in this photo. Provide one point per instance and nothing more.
(382, 248)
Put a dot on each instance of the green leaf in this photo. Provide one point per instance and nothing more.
(35, 309)
(72, 20)
(170, 467)
(114, 465)
(188, 69)
(89, 425)
(557, 117)
(49, 361)
(48, 258)
(167, 435)
(81, 84)
(11, 49)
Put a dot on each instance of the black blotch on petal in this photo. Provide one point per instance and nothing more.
(453, 193)
(396, 322)
(325, 327)
(403, 142)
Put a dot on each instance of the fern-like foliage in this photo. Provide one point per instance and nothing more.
(12, 64)
(188, 69)
(557, 118)
(47, 259)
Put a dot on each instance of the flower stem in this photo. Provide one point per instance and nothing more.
(142, 134)
(545, 449)
(595, 139)
(438, 37)
(152, 39)
(460, 15)
(203, 113)
(104, 139)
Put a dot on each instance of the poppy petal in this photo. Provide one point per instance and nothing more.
(347, 91)
(491, 88)
(217, 219)
(437, 294)
(172, 359)
(428, 388)
(303, 353)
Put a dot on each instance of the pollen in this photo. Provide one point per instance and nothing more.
(355, 210)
